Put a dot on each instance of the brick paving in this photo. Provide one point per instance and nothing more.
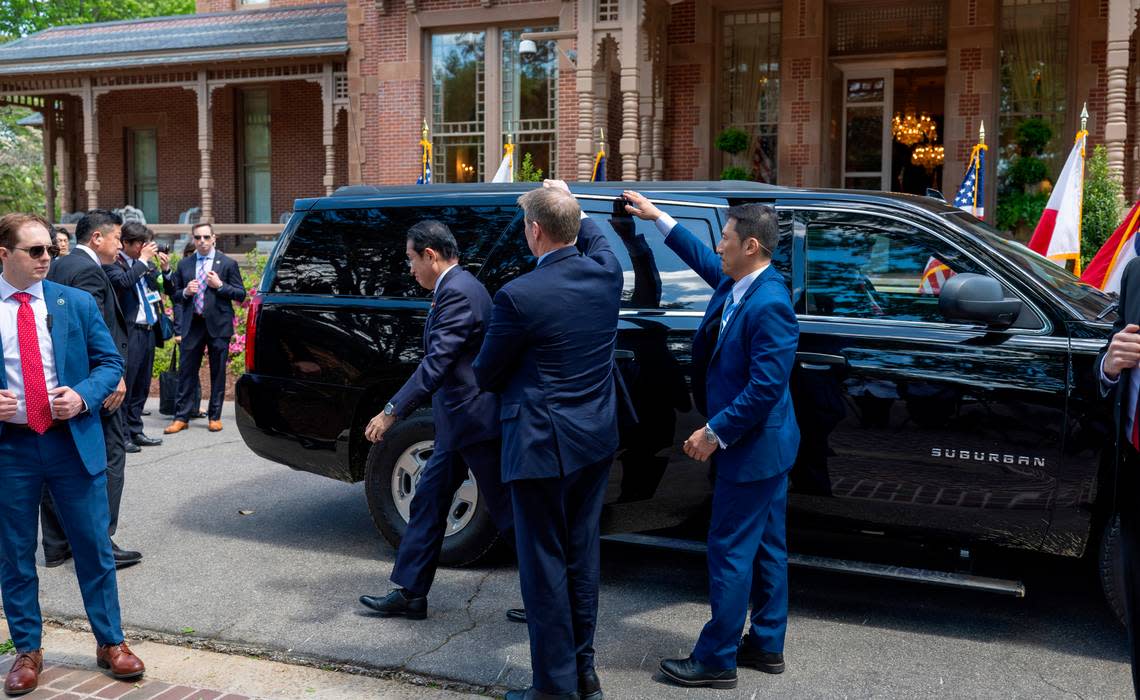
(71, 683)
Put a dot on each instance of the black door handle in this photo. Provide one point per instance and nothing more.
(820, 361)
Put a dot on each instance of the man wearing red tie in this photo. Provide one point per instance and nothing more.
(1119, 376)
(59, 362)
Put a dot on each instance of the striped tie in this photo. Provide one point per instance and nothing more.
(200, 297)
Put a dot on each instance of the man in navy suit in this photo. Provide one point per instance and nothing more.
(466, 418)
(549, 353)
(742, 365)
(97, 237)
(60, 364)
(135, 279)
(206, 285)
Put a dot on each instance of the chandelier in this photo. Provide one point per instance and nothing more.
(909, 129)
(928, 155)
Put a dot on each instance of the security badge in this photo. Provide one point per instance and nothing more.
(60, 301)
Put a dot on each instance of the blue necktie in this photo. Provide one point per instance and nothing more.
(141, 286)
(729, 307)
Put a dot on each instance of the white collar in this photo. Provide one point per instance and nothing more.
(441, 276)
(209, 256)
(7, 290)
(745, 282)
(93, 254)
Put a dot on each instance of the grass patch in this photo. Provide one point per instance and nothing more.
(7, 647)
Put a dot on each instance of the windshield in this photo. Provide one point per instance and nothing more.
(1085, 299)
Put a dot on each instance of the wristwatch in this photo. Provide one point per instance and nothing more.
(710, 436)
(390, 409)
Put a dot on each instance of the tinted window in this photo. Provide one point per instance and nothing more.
(360, 252)
(871, 267)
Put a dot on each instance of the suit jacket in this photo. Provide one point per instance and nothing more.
(1128, 311)
(86, 360)
(218, 309)
(81, 272)
(456, 324)
(742, 374)
(125, 279)
(549, 353)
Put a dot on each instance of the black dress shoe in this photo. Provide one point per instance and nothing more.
(142, 440)
(590, 686)
(56, 559)
(752, 656)
(398, 603)
(145, 412)
(131, 448)
(125, 557)
(516, 615)
(532, 694)
(197, 414)
(693, 674)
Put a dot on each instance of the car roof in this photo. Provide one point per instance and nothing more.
(354, 196)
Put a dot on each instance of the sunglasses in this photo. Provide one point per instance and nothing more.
(202, 238)
(37, 251)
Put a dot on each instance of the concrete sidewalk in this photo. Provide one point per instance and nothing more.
(181, 673)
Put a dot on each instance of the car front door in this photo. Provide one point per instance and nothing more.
(911, 422)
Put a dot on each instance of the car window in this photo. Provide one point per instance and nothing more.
(865, 266)
(361, 252)
(655, 278)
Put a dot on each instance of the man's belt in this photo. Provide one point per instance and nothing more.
(23, 427)
(144, 326)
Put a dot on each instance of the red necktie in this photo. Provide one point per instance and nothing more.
(35, 386)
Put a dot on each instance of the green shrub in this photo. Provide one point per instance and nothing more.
(1033, 135)
(1100, 211)
(732, 140)
(734, 172)
(527, 171)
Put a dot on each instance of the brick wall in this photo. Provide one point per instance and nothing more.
(298, 154)
(971, 92)
(682, 109)
(802, 54)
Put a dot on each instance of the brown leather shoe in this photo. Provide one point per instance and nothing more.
(215, 426)
(122, 662)
(176, 427)
(25, 673)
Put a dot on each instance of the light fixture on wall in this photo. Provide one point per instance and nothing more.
(909, 129)
(528, 47)
(929, 156)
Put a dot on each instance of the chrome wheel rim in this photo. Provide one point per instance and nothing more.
(406, 478)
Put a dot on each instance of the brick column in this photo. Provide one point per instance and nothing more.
(803, 53)
(971, 91)
(205, 149)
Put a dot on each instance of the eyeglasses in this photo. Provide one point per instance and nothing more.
(205, 237)
(37, 251)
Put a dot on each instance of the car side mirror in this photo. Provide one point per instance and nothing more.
(976, 298)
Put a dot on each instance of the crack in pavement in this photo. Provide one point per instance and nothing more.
(1049, 683)
(470, 618)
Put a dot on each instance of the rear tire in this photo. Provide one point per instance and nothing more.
(1110, 567)
(390, 483)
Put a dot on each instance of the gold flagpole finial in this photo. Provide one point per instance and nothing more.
(602, 139)
(424, 133)
(1085, 117)
(982, 132)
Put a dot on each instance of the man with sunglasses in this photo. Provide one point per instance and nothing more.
(97, 237)
(206, 285)
(59, 365)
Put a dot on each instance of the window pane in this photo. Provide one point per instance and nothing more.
(144, 175)
(458, 103)
(256, 156)
(750, 76)
(530, 99)
(864, 139)
(866, 90)
(869, 267)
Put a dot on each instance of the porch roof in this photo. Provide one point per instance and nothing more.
(284, 32)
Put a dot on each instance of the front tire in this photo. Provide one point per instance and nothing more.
(1110, 567)
(394, 467)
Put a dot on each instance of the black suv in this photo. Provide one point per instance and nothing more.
(915, 426)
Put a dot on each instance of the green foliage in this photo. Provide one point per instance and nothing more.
(251, 277)
(21, 164)
(527, 171)
(1100, 211)
(1017, 209)
(7, 647)
(1025, 172)
(22, 17)
(735, 172)
(1033, 135)
(732, 140)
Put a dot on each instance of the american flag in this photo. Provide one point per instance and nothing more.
(972, 194)
(933, 277)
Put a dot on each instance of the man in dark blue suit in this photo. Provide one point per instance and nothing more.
(60, 364)
(466, 418)
(742, 365)
(549, 353)
(205, 285)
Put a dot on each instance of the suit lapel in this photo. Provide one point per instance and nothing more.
(738, 312)
(60, 319)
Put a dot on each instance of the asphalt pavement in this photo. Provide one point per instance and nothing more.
(245, 554)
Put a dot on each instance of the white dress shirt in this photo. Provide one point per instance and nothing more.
(441, 276)
(199, 261)
(140, 314)
(10, 337)
(94, 256)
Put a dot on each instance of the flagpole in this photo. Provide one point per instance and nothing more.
(1082, 134)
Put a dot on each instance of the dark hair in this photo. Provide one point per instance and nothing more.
(433, 234)
(10, 225)
(136, 232)
(203, 224)
(100, 220)
(756, 221)
(188, 249)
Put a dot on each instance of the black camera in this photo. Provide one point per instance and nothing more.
(164, 248)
